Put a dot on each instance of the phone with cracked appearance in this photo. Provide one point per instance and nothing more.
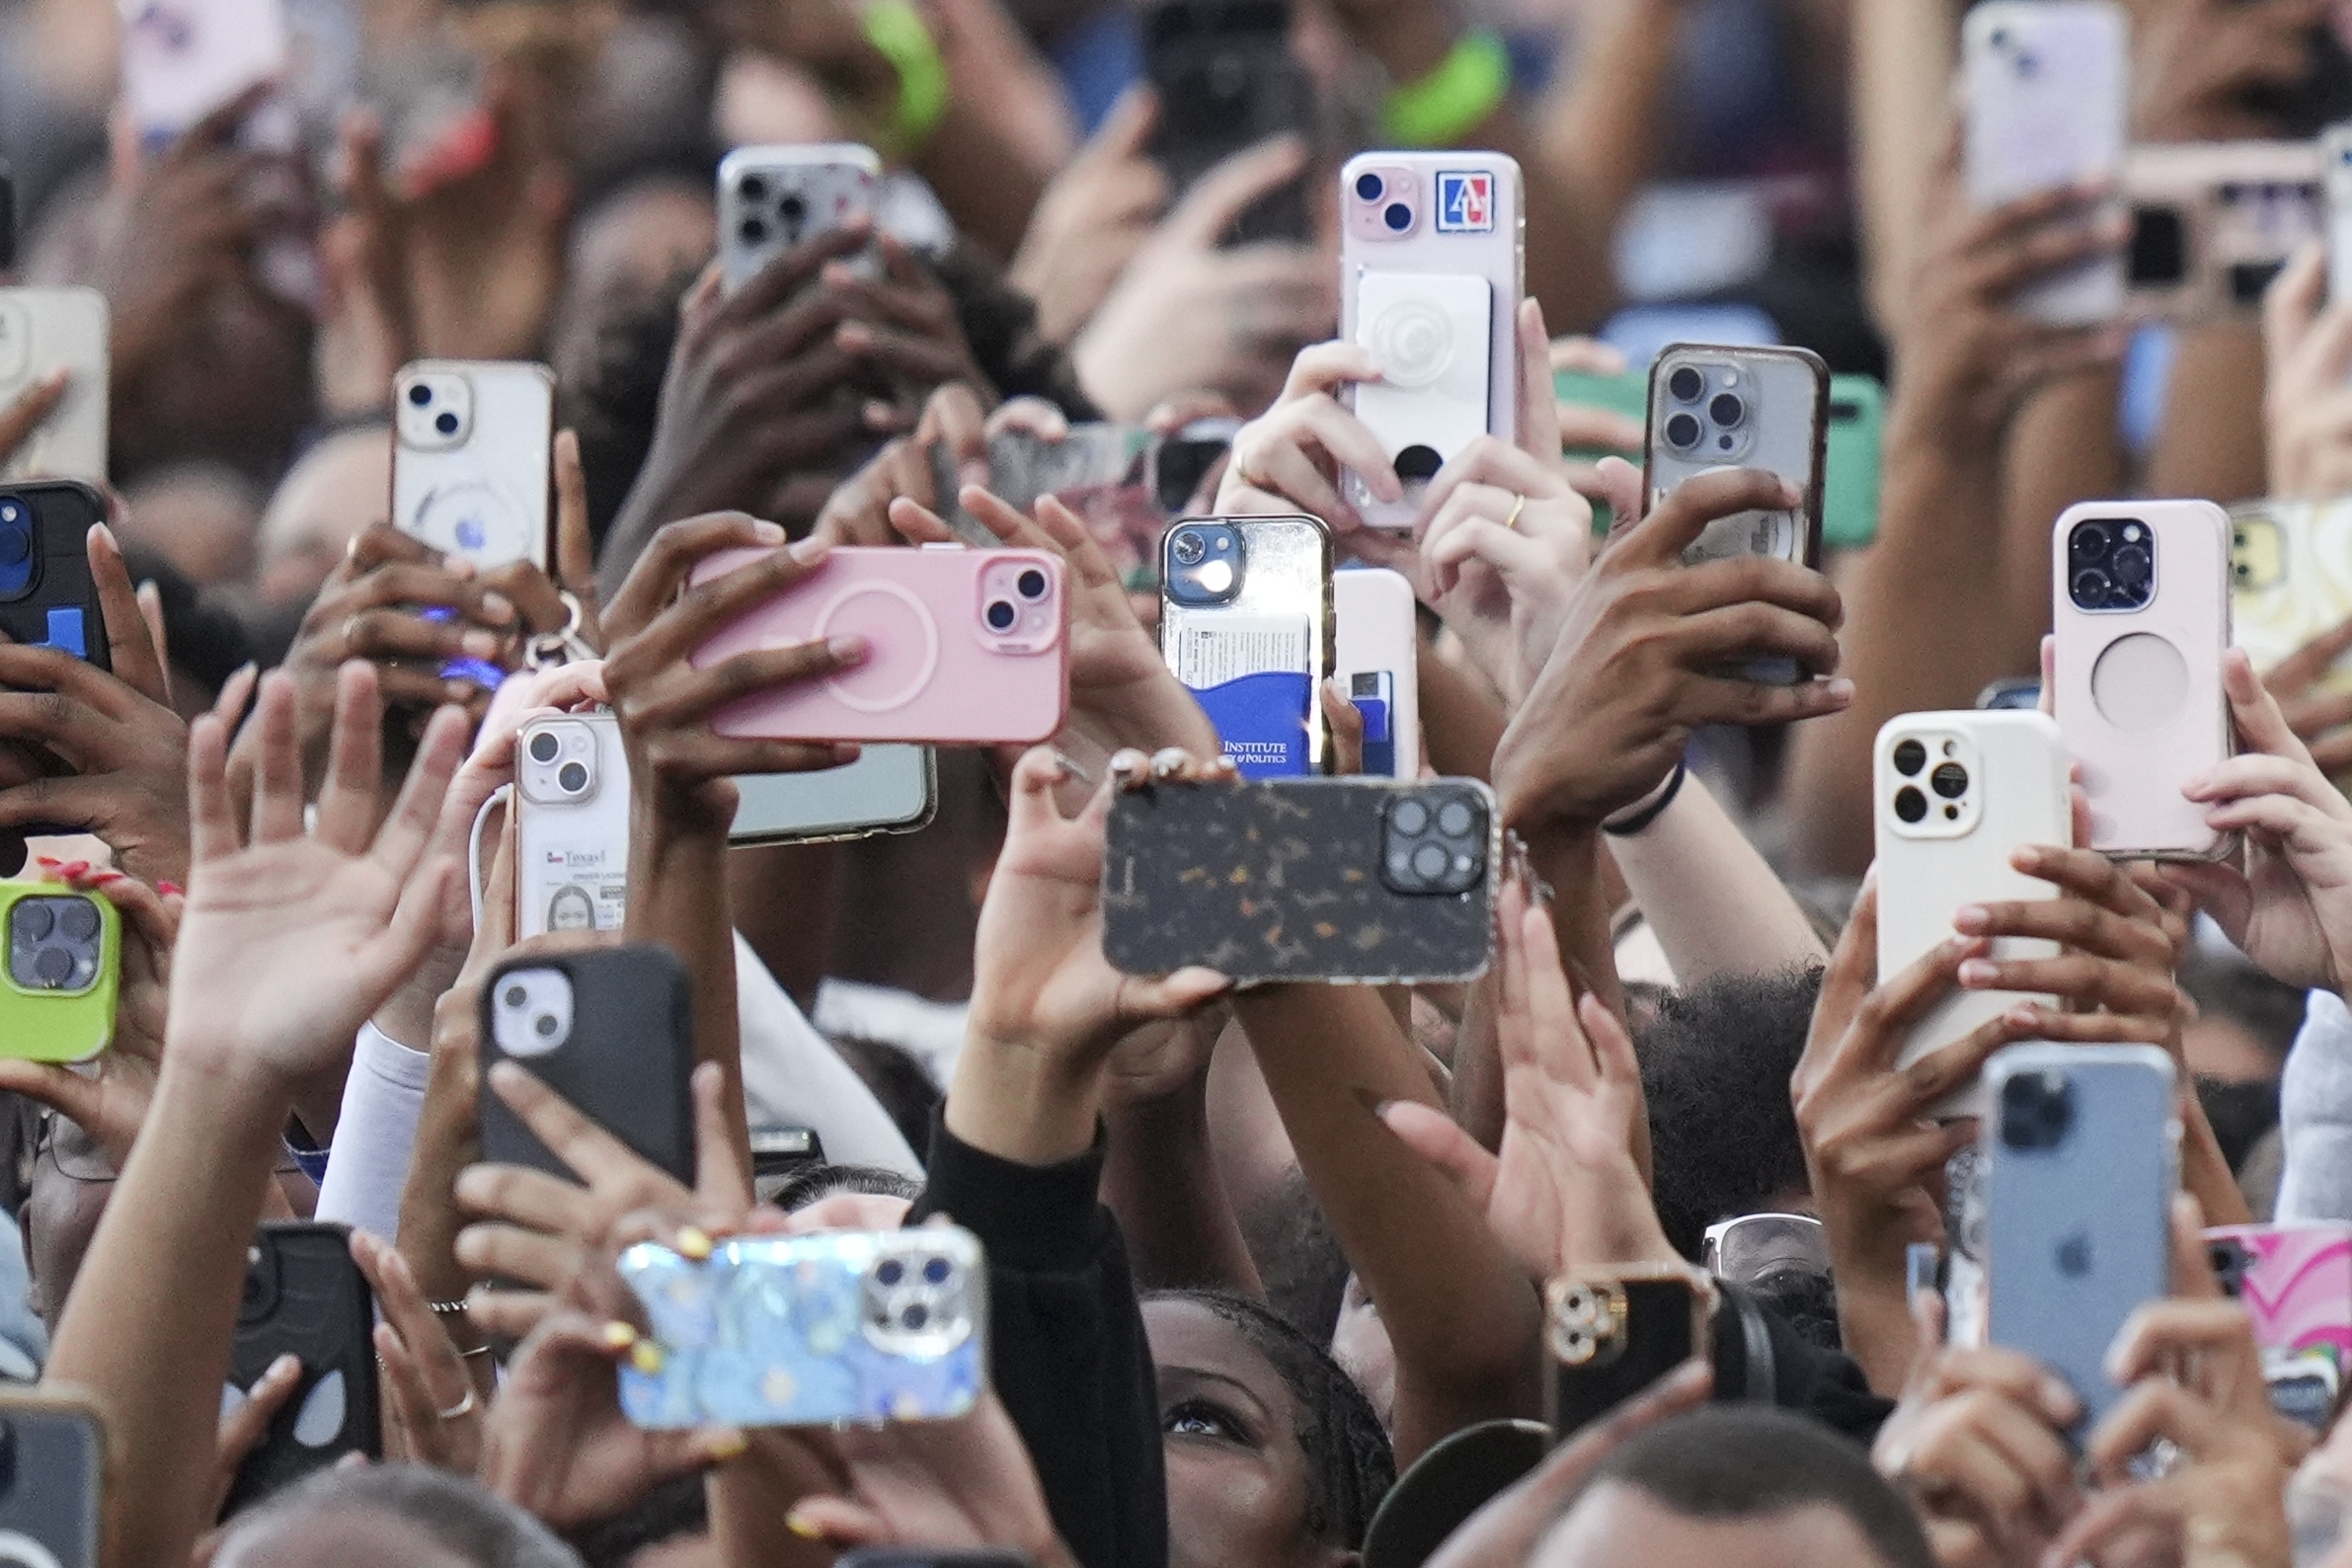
(2141, 617)
(1245, 622)
(1431, 270)
(473, 459)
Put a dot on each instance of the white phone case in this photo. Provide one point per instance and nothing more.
(2139, 695)
(471, 462)
(41, 330)
(570, 827)
(2010, 790)
(2047, 86)
(2335, 182)
(771, 198)
(1374, 639)
(1411, 290)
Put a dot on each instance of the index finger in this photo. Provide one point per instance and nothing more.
(1225, 191)
(601, 1160)
(657, 574)
(130, 646)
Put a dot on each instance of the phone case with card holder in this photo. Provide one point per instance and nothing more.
(42, 329)
(48, 597)
(785, 1331)
(2295, 1281)
(1609, 1332)
(1380, 881)
(52, 1481)
(471, 460)
(571, 825)
(305, 1297)
(2140, 613)
(611, 1031)
(1245, 622)
(1431, 271)
(60, 970)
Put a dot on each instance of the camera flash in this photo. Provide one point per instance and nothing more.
(1217, 576)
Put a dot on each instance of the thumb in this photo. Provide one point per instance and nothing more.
(1619, 483)
(1171, 995)
(1126, 130)
(1440, 1140)
(1225, 191)
(837, 1522)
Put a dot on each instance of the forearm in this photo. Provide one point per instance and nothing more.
(1904, 53)
(678, 898)
(1714, 901)
(1160, 1180)
(1461, 1316)
(1568, 858)
(2213, 439)
(2063, 448)
(1601, 130)
(449, 1138)
(376, 1136)
(985, 175)
(1874, 1322)
(1462, 719)
(1018, 1101)
(146, 1334)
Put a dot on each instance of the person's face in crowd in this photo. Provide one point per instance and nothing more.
(338, 487)
(200, 517)
(1238, 1479)
(624, 250)
(1364, 1351)
(350, 1537)
(1613, 1524)
(60, 1215)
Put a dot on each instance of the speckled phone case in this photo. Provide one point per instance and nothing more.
(1298, 879)
(790, 1331)
(305, 1295)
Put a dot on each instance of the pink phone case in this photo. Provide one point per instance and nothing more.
(964, 648)
(2140, 638)
(2295, 1283)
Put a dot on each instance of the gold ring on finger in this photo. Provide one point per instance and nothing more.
(1519, 503)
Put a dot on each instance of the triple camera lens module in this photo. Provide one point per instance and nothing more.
(2037, 1110)
(54, 943)
(1707, 415)
(768, 214)
(1434, 841)
(1947, 779)
(2110, 563)
(916, 1301)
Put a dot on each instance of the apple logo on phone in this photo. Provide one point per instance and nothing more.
(2074, 1255)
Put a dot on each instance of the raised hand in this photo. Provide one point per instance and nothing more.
(1287, 458)
(2113, 974)
(1094, 217)
(2307, 407)
(433, 1408)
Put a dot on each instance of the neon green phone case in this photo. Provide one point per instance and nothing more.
(59, 974)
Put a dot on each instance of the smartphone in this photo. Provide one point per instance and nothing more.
(44, 330)
(304, 1296)
(778, 1154)
(610, 1030)
(1358, 879)
(2296, 1284)
(52, 1479)
(2141, 592)
(1432, 268)
(861, 1326)
(2012, 694)
(2335, 187)
(2213, 223)
(472, 460)
(2289, 579)
(772, 198)
(1953, 795)
(964, 646)
(1226, 81)
(1854, 462)
(47, 597)
(1024, 468)
(64, 970)
(1377, 632)
(2046, 84)
(185, 60)
(1610, 1332)
(888, 789)
(571, 825)
(1718, 406)
(2303, 108)
(1245, 622)
(2081, 1159)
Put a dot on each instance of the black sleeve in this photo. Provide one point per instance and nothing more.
(1825, 1384)
(1066, 1344)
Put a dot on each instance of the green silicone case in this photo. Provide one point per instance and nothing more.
(38, 1025)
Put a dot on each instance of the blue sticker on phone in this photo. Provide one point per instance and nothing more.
(1466, 202)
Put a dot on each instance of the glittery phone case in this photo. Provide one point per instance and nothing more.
(790, 1331)
(1253, 652)
(305, 1295)
(1380, 881)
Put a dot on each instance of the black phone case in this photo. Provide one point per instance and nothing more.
(52, 1466)
(304, 1295)
(625, 1065)
(1227, 80)
(1284, 878)
(1664, 1327)
(59, 604)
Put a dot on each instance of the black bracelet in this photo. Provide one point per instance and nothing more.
(1652, 811)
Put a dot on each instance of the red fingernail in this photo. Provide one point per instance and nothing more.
(169, 888)
(110, 873)
(74, 868)
(44, 860)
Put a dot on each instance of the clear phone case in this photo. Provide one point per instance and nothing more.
(772, 198)
(1718, 406)
(571, 825)
(1245, 614)
(471, 458)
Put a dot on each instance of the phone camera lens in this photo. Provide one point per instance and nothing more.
(544, 747)
(1951, 780)
(1397, 216)
(77, 920)
(419, 395)
(1999, 37)
(2131, 567)
(1032, 583)
(2036, 1110)
(1682, 431)
(1001, 615)
(1187, 548)
(544, 1026)
(1369, 187)
(2090, 588)
(916, 1317)
(1685, 384)
(1910, 803)
(572, 778)
(890, 1271)
(753, 188)
(792, 210)
(937, 1270)
(752, 231)
(516, 997)
(1429, 862)
(1727, 411)
(1910, 757)
(445, 422)
(1410, 817)
(35, 920)
(2090, 542)
(12, 513)
(1454, 818)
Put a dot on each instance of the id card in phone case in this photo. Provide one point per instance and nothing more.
(1249, 674)
(1246, 624)
(791, 1331)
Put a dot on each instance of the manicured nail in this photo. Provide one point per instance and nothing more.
(852, 337)
(1977, 972)
(1072, 768)
(479, 643)
(74, 868)
(1839, 688)
(1970, 917)
(46, 862)
(620, 1335)
(879, 415)
(170, 890)
(285, 1365)
(810, 550)
(766, 532)
(693, 1242)
(847, 649)
(802, 1526)
(498, 608)
(646, 1357)
(725, 1445)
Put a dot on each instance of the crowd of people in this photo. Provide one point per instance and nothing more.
(1266, 1265)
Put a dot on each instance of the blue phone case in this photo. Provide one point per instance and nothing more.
(789, 1331)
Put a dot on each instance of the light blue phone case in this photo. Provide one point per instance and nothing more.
(789, 1331)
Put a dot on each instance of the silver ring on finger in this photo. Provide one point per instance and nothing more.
(464, 1407)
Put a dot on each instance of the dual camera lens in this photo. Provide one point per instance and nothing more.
(1397, 215)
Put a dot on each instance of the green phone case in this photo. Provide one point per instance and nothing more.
(1851, 476)
(58, 979)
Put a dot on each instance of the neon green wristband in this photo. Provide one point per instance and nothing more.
(897, 29)
(1452, 100)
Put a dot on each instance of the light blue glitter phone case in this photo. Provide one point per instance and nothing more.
(792, 1331)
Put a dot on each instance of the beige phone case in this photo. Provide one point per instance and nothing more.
(44, 330)
(1948, 815)
(2138, 673)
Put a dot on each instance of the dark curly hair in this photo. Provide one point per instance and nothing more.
(1349, 1466)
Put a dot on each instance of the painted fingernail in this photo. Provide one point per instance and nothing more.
(725, 1445)
(1976, 972)
(693, 1242)
(620, 1335)
(285, 1365)
(766, 532)
(847, 649)
(74, 868)
(496, 606)
(646, 1357)
(1970, 917)
(1839, 688)
(170, 890)
(802, 1526)
(1062, 761)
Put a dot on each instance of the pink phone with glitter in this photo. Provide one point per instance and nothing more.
(2295, 1283)
(964, 646)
